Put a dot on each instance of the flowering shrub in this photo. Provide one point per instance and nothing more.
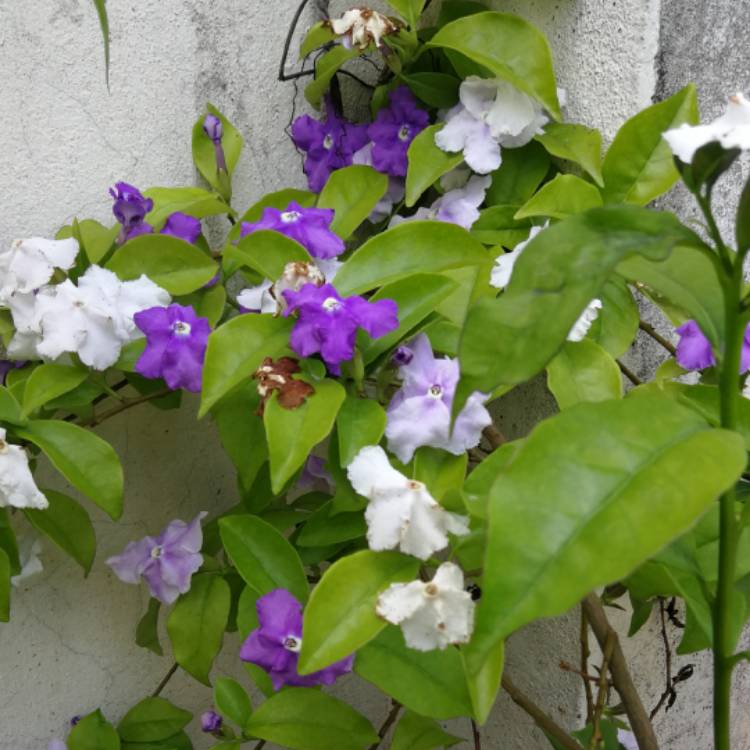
(349, 341)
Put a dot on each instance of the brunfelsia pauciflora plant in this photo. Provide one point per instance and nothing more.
(458, 244)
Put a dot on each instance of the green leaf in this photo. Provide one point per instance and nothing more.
(10, 409)
(360, 422)
(306, 719)
(101, 12)
(147, 630)
(484, 684)
(204, 153)
(742, 225)
(340, 616)
(325, 69)
(5, 574)
(519, 175)
(510, 47)
(431, 683)
(638, 166)
(236, 350)
(293, 433)
(232, 701)
(497, 225)
(576, 143)
(583, 371)
(409, 10)
(640, 463)
(450, 10)
(262, 556)
(427, 163)
(352, 192)
(48, 381)
(68, 525)
(318, 35)
(561, 197)
(89, 463)
(152, 720)
(193, 201)
(479, 483)
(197, 622)
(408, 249)
(95, 239)
(93, 732)
(173, 264)
(438, 90)
(267, 252)
(619, 318)
(440, 471)
(8, 542)
(415, 732)
(331, 524)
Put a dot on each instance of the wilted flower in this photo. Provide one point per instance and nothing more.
(328, 144)
(328, 323)
(211, 722)
(731, 130)
(130, 209)
(17, 486)
(420, 412)
(29, 547)
(277, 376)
(26, 265)
(431, 615)
(504, 263)
(275, 645)
(401, 513)
(176, 340)
(583, 324)
(268, 297)
(182, 226)
(360, 26)
(311, 227)
(166, 562)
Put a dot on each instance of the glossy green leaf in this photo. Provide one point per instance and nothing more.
(480, 481)
(408, 249)
(340, 616)
(325, 69)
(152, 720)
(583, 371)
(235, 351)
(431, 683)
(360, 422)
(95, 239)
(197, 622)
(638, 166)
(8, 541)
(173, 264)
(293, 433)
(317, 35)
(520, 174)
(409, 10)
(352, 192)
(561, 197)
(5, 574)
(640, 463)
(427, 163)
(147, 630)
(576, 143)
(232, 701)
(193, 201)
(262, 556)
(617, 325)
(306, 719)
(331, 524)
(101, 13)
(415, 732)
(440, 471)
(438, 90)
(485, 683)
(93, 732)
(497, 225)
(510, 47)
(89, 463)
(68, 525)
(267, 252)
(204, 153)
(10, 409)
(48, 381)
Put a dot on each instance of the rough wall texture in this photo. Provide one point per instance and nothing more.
(65, 139)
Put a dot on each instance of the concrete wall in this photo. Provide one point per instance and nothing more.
(64, 139)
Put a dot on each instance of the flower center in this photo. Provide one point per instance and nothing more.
(414, 485)
(404, 133)
(78, 303)
(330, 304)
(435, 391)
(156, 552)
(291, 643)
(430, 590)
(289, 217)
(181, 328)
(328, 142)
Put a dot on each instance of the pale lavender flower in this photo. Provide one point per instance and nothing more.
(420, 412)
(130, 209)
(463, 132)
(211, 722)
(213, 128)
(314, 474)
(166, 562)
(694, 349)
(182, 226)
(275, 645)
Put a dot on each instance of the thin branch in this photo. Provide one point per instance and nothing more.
(124, 406)
(260, 745)
(476, 735)
(669, 689)
(167, 677)
(546, 723)
(656, 336)
(585, 653)
(629, 374)
(288, 43)
(387, 724)
(601, 696)
(640, 723)
(494, 437)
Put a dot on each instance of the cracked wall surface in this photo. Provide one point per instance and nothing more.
(64, 139)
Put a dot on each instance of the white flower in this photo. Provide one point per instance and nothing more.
(29, 264)
(25, 313)
(258, 298)
(627, 739)
(464, 132)
(360, 26)
(731, 130)
(588, 316)
(401, 513)
(504, 263)
(431, 615)
(17, 486)
(29, 548)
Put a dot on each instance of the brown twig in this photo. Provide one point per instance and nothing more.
(567, 667)
(546, 723)
(167, 677)
(656, 336)
(669, 690)
(475, 734)
(585, 653)
(387, 724)
(260, 745)
(639, 719)
(629, 374)
(494, 437)
(124, 406)
(601, 696)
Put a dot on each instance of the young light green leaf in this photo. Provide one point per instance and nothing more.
(318, 35)
(10, 409)
(93, 732)
(232, 701)
(267, 252)
(101, 12)
(415, 732)
(409, 10)
(325, 69)
(152, 720)
(360, 422)
(484, 684)
(193, 201)
(352, 192)
(575, 143)
(561, 197)
(279, 199)
(48, 381)
(427, 163)
(204, 153)
(95, 239)
(147, 630)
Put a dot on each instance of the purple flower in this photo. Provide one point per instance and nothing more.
(276, 644)
(167, 562)
(130, 208)
(6, 365)
(694, 350)
(402, 356)
(311, 227)
(314, 474)
(176, 340)
(328, 144)
(183, 227)
(420, 412)
(328, 323)
(211, 722)
(213, 128)
(394, 129)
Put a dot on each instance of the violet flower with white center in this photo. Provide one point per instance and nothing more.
(166, 562)
(29, 548)
(176, 340)
(394, 194)
(130, 209)
(182, 226)
(503, 269)
(328, 144)
(311, 227)
(213, 128)
(401, 513)
(275, 645)
(17, 486)
(328, 323)
(431, 615)
(420, 411)
(26, 265)
(211, 722)
(585, 321)
(393, 130)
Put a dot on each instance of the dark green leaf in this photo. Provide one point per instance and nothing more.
(152, 720)
(8, 542)
(519, 175)
(352, 192)
(497, 225)
(434, 89)
(743, 220)
(325, 69)
(147, 630)
(331, 524)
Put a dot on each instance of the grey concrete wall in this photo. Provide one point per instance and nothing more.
(64, 139)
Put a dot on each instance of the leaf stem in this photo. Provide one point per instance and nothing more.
(629, 374)
(601, 696)
(167, 677)
(656, 336)
(124, 406)
(387, 724)
(585, 653)
(476, 735)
